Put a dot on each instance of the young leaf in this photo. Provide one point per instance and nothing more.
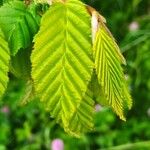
(43, 1)
(20, 64)
(98, 94)
(29, 94)
(108, 61)
(4, 63)
(18, 25)
(82, 120)
(62, 62)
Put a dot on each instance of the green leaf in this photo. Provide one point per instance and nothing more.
(98, 94)
(109, 71)
(4, 63)
(28, 94)
(82, 120)
(18, 25)
(43, 1)
(62, 62)
(20, 64)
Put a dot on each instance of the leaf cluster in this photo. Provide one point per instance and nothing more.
(72, 63)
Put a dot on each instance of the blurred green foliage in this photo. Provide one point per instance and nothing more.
(29, 127)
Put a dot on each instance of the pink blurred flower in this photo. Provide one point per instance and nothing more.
(133, 26)
(5, 110)
(98, 107)
(57, 144)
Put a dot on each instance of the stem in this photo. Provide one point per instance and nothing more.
(145, 145)
(134, 43)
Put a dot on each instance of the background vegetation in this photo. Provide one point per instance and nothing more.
(29, 127)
